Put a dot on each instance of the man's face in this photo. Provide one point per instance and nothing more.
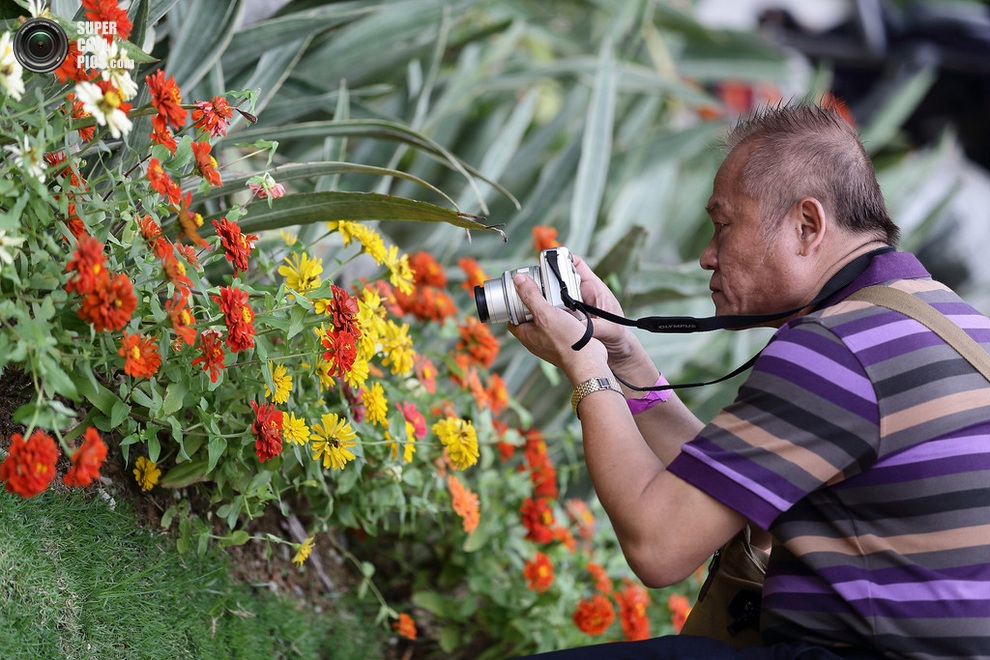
(751, 270)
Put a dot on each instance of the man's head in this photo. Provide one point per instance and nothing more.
(795, 199)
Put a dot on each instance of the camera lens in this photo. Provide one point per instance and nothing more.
(498, 301)
(481, 303)
(41, 45)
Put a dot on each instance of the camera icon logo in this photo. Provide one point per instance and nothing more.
(41, 45)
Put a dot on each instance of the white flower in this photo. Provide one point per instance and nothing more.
(39, 8)
(105, 108)
(11, 71)
(5, 242)
(27, 158)
(116, 68)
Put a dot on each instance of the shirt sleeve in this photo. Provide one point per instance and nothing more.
(807, 416)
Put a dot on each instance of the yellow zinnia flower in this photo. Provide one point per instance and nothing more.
(398, 348)
(302, 554)
(358, 374)
(401, 274)
(460, 439)
(146, 473)
(283, 383)
(376, 405)
(294, 429)
(334, 437)
(302, 273)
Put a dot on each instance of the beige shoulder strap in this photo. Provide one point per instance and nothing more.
(919, 310)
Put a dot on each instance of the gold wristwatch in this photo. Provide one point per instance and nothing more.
(592, 385)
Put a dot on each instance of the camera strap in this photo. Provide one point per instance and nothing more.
(687, 324)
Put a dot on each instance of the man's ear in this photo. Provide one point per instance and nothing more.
(811, 224)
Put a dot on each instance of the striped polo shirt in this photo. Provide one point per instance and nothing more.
(861, 440)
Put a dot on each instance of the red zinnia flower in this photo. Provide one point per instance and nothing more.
(342, 310)
(141, 358)
(580, 515)
(236, 246)
(267, 429)
(89, 266)
(537, 518)
(544, 238)
(162, 182)
(479, 342)
(167, 99)
(206, 164)
(149, 228)
(110, 305)
(679, 607)
(412, 415)
(30, 464)
(87, 460)
(341, 352)
(107, 11)
(69, 68)
(539, 573)
(426, 373)
(603, 583)
(213, 117)
(594, 616)
(211, 353)
(239, 318)
(633, 600)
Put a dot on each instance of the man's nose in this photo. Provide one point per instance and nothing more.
(709, 256)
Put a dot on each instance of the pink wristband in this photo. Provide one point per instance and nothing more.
(651, 399)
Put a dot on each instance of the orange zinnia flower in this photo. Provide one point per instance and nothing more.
(603, 583)
(544, 238)
(479, 342)
(87, 460)
(89, 266)
(110, 305)
(679, 607)
(633, 600)
(405, 626)
(206, 164)
(465, 503)
(141, 358)
(425, 372)
(475, 276)
(162, 183)
(213, 116)
(538, 573)
(189, 222)
(426, 270)
(594, 616)
(175, 270)
(69, 68)
(30, 464)
(107, 11)
(161, 135)
(167, 99)
(182, 320)
(580, 515)
(149, 228)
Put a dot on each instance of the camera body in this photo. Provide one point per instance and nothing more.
(498, 301)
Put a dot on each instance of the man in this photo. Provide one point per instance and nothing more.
(860, 440)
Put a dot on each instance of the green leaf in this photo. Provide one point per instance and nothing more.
(215, 449)
(306, 208)
(118, 413)
(185, 474)
(194, 52)
(174, 394)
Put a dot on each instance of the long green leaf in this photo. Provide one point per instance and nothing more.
(375, 128)
(596, 152)
(307, 208)
(293, 171)
(201, 35)
(885, 125)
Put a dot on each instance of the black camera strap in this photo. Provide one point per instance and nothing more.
(686, 324)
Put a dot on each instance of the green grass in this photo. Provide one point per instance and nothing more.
(81, 580)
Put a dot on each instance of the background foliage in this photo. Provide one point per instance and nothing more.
(596, 118)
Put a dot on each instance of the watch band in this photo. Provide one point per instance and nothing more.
(651, 399)
(591, 385)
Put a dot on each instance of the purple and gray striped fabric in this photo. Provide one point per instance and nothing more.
(862, 442)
